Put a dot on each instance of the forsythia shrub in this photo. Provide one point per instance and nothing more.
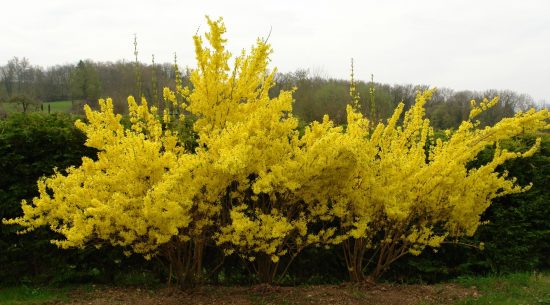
(410, 192)
(255, 187)
(263, 185)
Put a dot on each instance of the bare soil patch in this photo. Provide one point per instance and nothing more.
(347, 294)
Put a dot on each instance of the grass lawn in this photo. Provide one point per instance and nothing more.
(58, 106)
(24, 295)
(513, 289)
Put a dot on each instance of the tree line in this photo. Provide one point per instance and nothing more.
(316, 96)
(85, 82)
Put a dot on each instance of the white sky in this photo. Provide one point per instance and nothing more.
(483, 44)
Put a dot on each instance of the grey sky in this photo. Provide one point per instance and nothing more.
(476, 45)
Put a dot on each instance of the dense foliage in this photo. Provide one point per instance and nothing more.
(31, 146)
(518, 225)
(257, 187)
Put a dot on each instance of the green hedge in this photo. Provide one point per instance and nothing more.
(518, 235)
(31, 146)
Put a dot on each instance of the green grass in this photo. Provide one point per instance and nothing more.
(513, 289)
(56, 106)
(24, 295)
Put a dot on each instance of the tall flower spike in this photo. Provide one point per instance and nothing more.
(355, 99)
(372, 103)
(179, 83)
(137, 68)
(154, 82)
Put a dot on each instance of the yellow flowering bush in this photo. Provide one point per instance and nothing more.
(270, 181)
(257, 188)
(410, 191)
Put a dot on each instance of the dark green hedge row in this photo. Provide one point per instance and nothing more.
(517, 237)
(31, 146)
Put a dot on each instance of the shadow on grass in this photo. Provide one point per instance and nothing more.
(22, 295)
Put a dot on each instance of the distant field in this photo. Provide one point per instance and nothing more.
(56, 106)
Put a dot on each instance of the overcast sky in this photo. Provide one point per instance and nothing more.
(475, 45)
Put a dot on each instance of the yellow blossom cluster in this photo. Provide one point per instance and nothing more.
(106, 200)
